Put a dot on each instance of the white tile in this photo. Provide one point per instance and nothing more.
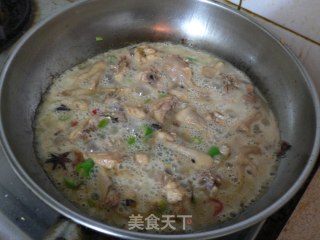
(229, 2)
(237, 2)
(301, 16)
(307, 52)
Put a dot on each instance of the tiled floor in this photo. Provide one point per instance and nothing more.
(301, 16)
(295, 22)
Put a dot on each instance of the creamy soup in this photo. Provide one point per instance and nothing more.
(157, 129)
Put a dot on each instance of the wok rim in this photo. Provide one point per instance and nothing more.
(121, 233)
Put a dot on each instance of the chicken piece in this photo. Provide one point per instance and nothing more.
(136, 112)
(246, 125)
(212, 71)
(93, 75)
(173, 192)
(153, 77)
(104, 183)
(179, 94)
(189, 116)
(170, 137)
(87, 82)
(122, 68)
(108, 160)
(77, 132)
(178, 71)
(208, 181)
(160, 108)
(115, 110)
(217, 117)
(144, 54)
(201, 160)
(142, 158)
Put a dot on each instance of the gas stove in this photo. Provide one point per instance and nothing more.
(15, 17)
(22, 214)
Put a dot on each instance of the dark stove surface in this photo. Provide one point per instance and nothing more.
(15, 16)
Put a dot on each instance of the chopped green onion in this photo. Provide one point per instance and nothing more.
(147, 130)
(147, 101)
(91, 203)
(191, 60)
(96, 96)
(162, 94)
(103, 123)
(85, 167)
(71, 183)
(213, 151)
(131, 140)
(111, 58)
(64, 116)
(197, 140)
(163, 206)
(99, 38)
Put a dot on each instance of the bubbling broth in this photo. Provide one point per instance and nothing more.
(157, 129)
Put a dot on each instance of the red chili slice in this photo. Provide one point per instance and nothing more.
(218, 206)
(78, 158)
(74, 123)
(94, 111)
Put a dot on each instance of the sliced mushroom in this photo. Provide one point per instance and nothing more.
(212, 71)
(162, 106)
(109, 160)
(190, 116)
(122, 68)
(136, 112)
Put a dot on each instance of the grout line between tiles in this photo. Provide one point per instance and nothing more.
(240, 8)
(240, 4)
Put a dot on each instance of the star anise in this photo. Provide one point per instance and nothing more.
(60, 159)
(229, 82)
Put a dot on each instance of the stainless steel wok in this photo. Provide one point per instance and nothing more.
(69, 38)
